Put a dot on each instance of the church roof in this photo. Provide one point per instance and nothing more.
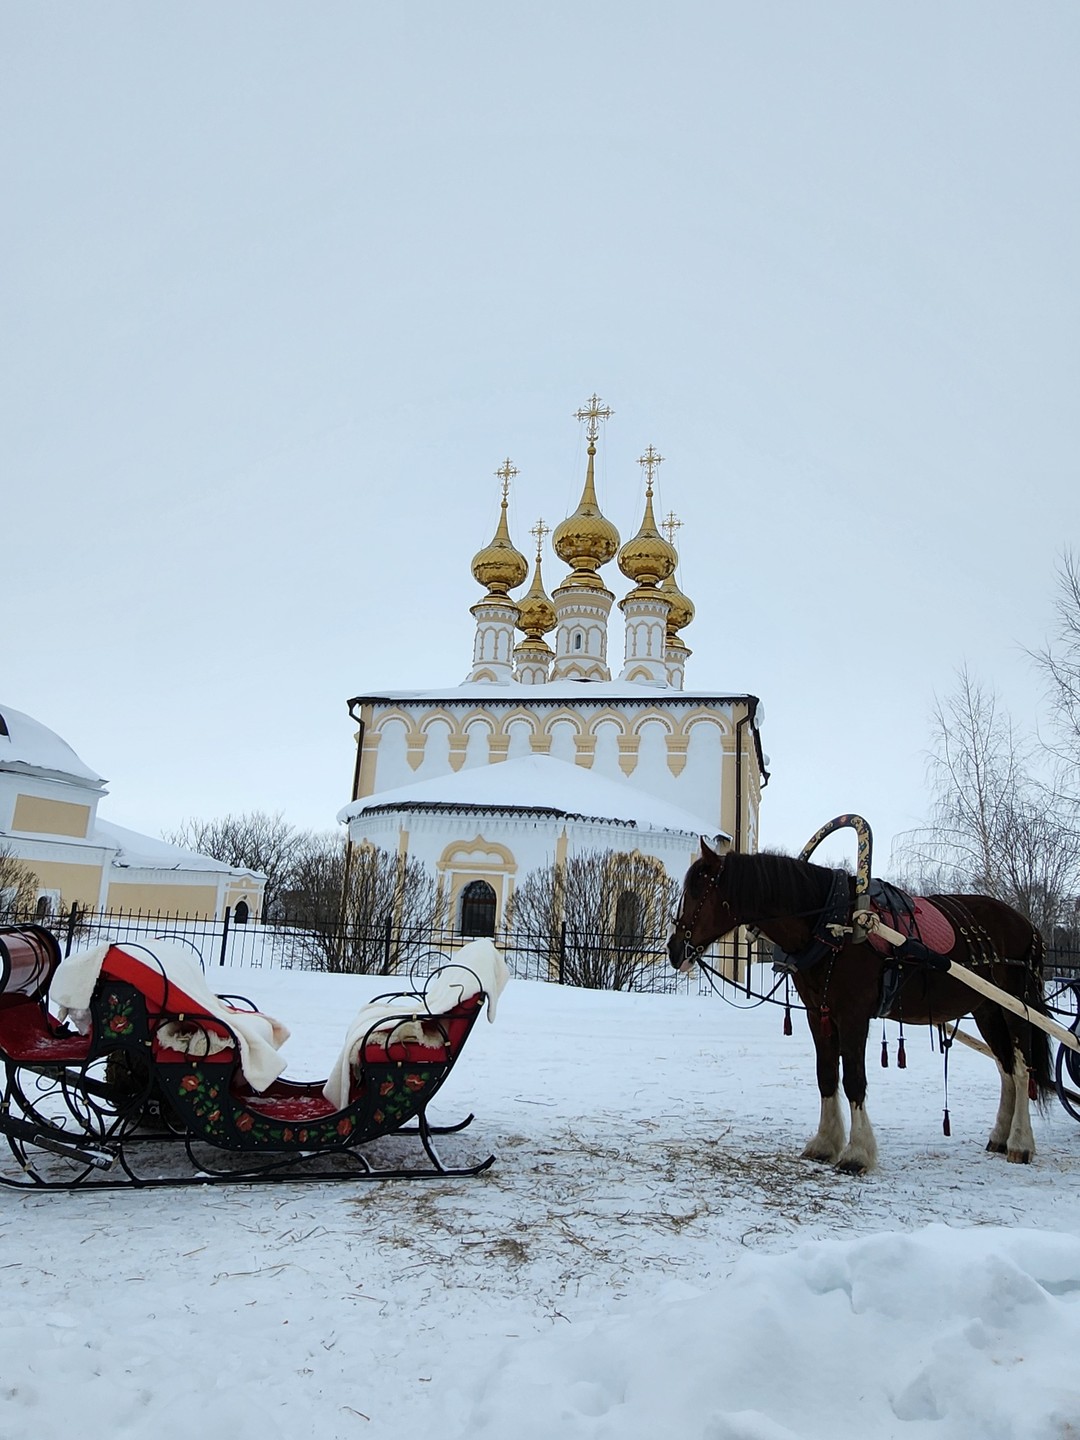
(29, 748)
(143, 852)
(536, 785)
(561, 692)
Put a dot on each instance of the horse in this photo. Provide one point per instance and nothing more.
(806, 911)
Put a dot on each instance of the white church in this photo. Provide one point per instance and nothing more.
(542, 754)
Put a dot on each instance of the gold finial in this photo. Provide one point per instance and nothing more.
(592, 412)
(671, 525)
(506, 473)
(541, 531)
(651, 460)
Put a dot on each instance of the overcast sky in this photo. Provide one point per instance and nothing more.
(283, 284)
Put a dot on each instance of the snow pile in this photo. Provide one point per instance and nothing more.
(945, 1332)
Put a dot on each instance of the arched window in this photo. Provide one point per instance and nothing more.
(478, 909)
(242, 913)
(629, 921)
(578, 638)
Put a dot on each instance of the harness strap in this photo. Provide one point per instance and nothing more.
(828, 934)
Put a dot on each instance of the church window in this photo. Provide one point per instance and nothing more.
(629, 922)
(478, 909)
(578, 638)
(242, 913)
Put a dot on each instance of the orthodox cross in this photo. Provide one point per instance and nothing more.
(506, 473)
(592, 412)
(541, 531)
(650, 460)
(670, 525)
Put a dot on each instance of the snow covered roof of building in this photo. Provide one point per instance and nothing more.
(561, 692)
(536, 784)
(29, 748)
(143, 852)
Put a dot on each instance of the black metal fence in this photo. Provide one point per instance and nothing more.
(570, 956)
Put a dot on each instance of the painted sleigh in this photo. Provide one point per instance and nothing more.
(162, 1083)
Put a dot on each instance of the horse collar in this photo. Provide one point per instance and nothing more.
(825, 937)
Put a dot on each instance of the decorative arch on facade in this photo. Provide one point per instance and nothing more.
(706, 718)
(567, 716)
(464, 861)
(654, 717)
(608, 715)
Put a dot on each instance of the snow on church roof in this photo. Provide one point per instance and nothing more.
(28, 747)
(539, 784)
(143, 852)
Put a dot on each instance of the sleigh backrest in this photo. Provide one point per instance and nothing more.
(28, 956)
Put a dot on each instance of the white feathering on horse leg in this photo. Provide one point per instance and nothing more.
(998, 1142)
(860, 1153)
(831, 1135)
(1021, 1142)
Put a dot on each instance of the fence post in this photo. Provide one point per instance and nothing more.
(73, 920)
(562, 953)
(225, 934)
(388, 930)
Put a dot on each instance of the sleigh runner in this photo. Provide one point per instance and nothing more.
(165, 1068)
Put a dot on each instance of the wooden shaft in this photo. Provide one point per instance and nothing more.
(1009, 1002)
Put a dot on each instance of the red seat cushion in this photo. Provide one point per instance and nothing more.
(26, 1038)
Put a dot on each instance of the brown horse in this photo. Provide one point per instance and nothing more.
(805, 909)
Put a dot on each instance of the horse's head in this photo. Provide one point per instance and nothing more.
(703, 914)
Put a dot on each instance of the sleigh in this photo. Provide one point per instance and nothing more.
(154, 1081)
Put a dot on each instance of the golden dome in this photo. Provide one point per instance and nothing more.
(682, 609)
(648, 559)
(536, 612)
(498, 566)
(586, 540)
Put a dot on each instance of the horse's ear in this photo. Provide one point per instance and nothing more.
(707, 852)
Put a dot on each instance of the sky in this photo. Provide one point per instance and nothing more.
(282, 286)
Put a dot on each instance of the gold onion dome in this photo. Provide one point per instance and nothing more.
(682, 608)
(586, 539)
(536, 613)
(499, 567)
(648, 559)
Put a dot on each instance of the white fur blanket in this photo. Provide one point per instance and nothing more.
(475, 967)
(260, 1036)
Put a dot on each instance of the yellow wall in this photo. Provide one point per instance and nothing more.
(78, 884)
(37, 816)
(195, 902)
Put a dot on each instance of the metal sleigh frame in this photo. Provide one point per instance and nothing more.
(116, 1109)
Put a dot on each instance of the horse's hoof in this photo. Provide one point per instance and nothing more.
(851, 1167)
(995, 1147)
(819, 1154)
(1019, 1157)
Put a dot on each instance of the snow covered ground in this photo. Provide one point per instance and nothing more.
(648, 1256)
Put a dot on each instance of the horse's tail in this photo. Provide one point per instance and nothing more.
(1040, 1062)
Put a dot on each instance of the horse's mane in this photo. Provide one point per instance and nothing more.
(768, 886)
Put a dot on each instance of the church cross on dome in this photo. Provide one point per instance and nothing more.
(670, 526)
(506, 473)
(651, 460)
(592, 412)
(541, 531)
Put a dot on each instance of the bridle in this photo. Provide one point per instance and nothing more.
(692, 953)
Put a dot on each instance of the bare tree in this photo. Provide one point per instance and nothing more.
(601, 917)
(18, 884)
(368, 912)
(996, 826)
(253, 841)
(1060, 663)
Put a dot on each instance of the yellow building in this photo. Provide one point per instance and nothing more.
(49, 820)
